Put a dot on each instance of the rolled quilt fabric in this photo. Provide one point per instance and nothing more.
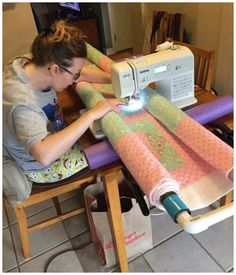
(140, 161)
(88, 94)
(146, 169)
(103, 153)
(199, 139)
(98, 58)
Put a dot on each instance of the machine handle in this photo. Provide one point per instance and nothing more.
(137, 191)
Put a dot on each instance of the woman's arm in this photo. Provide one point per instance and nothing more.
(95, 75)
(54, 146)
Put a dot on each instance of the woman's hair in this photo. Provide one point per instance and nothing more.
(60, 44)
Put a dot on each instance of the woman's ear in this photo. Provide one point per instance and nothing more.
(54, 69)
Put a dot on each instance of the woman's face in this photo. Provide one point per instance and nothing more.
(66, 76)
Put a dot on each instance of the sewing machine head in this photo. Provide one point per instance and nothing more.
(172, 69)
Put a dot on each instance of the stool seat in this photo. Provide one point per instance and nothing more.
(77, 176)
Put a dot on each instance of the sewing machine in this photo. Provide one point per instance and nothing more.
(172, 68)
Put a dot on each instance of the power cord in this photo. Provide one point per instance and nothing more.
(160, 213)
(62, 252)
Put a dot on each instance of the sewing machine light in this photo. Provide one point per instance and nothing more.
(135, 104)
(132, 105)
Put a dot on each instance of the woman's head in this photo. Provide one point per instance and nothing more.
(60, 45)
(62, 52)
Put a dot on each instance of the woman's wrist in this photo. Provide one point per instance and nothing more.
(89, 116)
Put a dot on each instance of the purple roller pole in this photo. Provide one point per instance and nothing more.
(100, 154)
(103, 153)
(211, 111)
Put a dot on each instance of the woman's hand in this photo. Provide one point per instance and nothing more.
(53, 146)
(100, 109)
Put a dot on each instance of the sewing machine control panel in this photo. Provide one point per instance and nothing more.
(182, 86)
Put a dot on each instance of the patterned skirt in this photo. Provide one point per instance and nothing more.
(67, 165)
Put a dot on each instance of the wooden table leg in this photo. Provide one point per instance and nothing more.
(110, 181)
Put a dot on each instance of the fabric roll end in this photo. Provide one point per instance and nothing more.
(164, 186)
(230, 174)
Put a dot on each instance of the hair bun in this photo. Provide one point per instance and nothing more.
(59, 44)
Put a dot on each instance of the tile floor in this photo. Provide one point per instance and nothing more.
(173, 249)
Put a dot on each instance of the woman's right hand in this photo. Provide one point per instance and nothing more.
(100, 109)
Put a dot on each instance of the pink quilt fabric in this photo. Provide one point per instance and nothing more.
(164, 149)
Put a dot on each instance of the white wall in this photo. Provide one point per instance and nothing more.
(19, 30)
(224, 66)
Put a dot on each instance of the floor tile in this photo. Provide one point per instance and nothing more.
(67, 262)
(10, 213)
(139, 265)
(162, 227)
(9, 259)
(59, 264)
(4, 217)
(90, 261)
(218, 241)
(41, 240)
(37, 208)
(82, 240)
(78, 223)
(181, 253)
(68, 195)
(30, 211)
(87, 255)
(14, 270)
(70, 204)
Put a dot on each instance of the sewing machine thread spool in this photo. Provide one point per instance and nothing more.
(164, 46)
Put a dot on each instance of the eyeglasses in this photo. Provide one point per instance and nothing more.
(75, 76)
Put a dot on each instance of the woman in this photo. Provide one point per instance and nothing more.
(31, 113)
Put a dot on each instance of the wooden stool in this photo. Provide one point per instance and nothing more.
(42, 193)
